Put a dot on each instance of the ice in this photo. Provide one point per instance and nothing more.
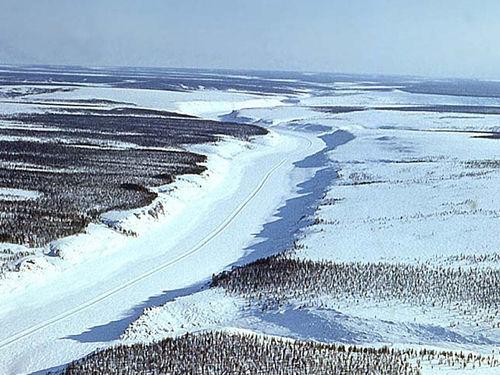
(409, 187)
(412, 187)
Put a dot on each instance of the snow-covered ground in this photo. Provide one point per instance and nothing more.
(393, 186)
(107, 236)
(203, 103)
(17, 194)
(412, 188)
(67, 306)
(410, 196)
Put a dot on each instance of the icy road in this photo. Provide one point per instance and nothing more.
(88, 306)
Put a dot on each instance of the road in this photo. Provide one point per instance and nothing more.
(88, 306)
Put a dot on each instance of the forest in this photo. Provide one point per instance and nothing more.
(84, 164)
(275, 280)
(235, 353)
(216, 353)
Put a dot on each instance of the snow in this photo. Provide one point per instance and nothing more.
(209, 309)
(428, 368)
(35, 128)
(434, 204)
(418, 121)
(404, 193)
(186, 193)
(394, 98)
(7, 108)
(280, 114)
(324, 319)
(9, 194)
(174, 197)
(203, 103)
(110, 278)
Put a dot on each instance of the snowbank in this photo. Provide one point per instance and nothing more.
(412, 187)
(208, 104)
(8, 194)
(209, 309)
(117, 228)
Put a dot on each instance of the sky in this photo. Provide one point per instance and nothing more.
(447, 38)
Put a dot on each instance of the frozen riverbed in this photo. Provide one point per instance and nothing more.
(415, 191)
(70, 313)
(372, 180)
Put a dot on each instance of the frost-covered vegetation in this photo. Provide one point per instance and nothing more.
(85, 164)
(214, 353)
(9, 259)
(276, 279)
(18, 92)
(475, 109)
(235, 353)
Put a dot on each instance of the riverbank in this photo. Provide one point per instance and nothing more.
(101, 296)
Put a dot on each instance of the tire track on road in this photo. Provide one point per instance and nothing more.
(40, 326)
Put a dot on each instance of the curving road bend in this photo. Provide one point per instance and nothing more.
(89, 305)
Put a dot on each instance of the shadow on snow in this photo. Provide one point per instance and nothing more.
(275, 236)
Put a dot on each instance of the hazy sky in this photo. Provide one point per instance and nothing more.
(422, 37)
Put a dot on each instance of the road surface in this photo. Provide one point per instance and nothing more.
(88, 306)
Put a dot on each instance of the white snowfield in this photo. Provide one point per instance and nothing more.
(209, 309)
(411, 196)
(412, 188)
(61, 308)
(407, 191)
(9, 194)
(209, 104)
